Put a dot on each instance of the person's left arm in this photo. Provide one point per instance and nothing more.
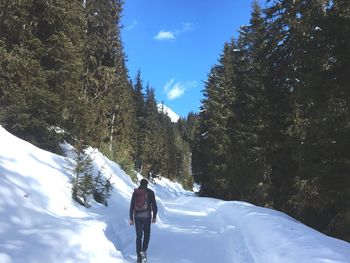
(131, 210)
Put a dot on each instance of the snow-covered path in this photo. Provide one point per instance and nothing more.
(190, 230)
(39, 222)
(187, 232)
(193, 229)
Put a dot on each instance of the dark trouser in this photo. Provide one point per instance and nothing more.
(143, 226)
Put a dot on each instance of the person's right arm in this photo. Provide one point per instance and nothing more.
(154, 208)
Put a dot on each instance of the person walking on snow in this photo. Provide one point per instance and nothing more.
(143, 211)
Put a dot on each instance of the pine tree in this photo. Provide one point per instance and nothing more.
(283, 53)
(60, 28)
(153, 141)
(188, 127)
(82, 181)
(326, 104)
(140, 119)
(170, 148)
(248, 167)
(100, 65)
(183, 158)
(210, 164)
(338, 119)
(312, 43)
(106, 81)
(28, 105)
(101, 189)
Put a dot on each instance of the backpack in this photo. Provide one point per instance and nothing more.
(141, 200)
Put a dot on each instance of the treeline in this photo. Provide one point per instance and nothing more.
(274, 126)
(63, 76)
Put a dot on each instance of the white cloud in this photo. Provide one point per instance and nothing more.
(168, 85)
(175, 90)
(187, 27)
(165, 35)
(131, 26)
(173, 34)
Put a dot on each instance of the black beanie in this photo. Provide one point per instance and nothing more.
(144, 183)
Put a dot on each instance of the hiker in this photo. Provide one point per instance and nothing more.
(143, 211)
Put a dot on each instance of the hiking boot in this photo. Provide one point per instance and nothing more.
(143, 256)
(139, 259)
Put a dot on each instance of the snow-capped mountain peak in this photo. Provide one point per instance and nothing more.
(166, 110)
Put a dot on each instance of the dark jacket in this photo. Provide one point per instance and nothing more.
(152, 208)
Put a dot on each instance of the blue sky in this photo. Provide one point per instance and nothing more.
(175, 43)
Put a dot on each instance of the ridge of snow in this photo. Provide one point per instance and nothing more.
(166, 110)
(39, 222)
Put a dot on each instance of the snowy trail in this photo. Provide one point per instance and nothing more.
(191, 229)
(188, 234)
(196, 230)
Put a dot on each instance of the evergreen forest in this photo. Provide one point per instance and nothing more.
(274, 124)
